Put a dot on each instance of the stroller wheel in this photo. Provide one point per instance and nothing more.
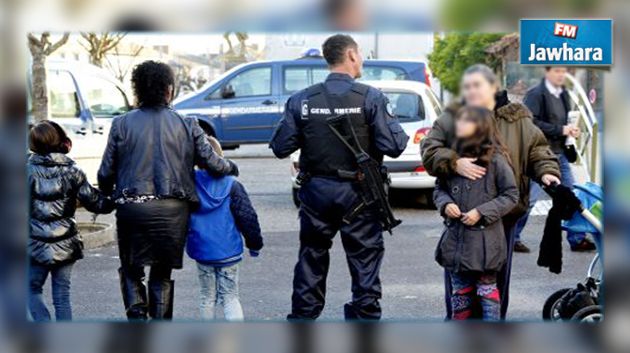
(550, 309)
(590, 314)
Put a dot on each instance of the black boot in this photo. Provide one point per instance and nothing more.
(161, 299)
(134, 295)
(353, 312)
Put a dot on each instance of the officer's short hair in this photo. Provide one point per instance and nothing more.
(335, 47)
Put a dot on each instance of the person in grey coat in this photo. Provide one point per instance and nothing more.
(473, 247)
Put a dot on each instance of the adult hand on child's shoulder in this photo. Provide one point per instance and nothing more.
(467, 168)
(233, 168)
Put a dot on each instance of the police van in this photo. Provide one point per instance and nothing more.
(246, 103)
(83, 99)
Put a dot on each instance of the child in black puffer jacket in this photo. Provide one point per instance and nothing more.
(55, 184)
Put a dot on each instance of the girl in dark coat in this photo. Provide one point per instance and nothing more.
(529, 151)
(55, 184)
(473, 246)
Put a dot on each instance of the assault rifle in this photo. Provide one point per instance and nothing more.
(370, 175)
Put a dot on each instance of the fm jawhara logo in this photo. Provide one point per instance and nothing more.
(566, 42)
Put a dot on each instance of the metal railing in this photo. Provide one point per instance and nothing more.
(587, 144)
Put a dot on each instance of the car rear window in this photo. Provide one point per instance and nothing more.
(378, 73)
(406, 106)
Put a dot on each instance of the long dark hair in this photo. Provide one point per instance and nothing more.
(486, 141)
(49, 137)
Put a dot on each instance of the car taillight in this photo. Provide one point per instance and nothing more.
(420, 169)
(427, 76)
(421, 134)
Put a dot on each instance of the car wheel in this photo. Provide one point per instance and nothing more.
(590, 314)
(207, 129)
(428, 196)
(229, 147)
(296, 198)
(550, 309)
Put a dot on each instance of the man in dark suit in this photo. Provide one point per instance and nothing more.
(550, 104)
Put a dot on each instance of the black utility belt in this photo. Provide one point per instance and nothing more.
(338, 174)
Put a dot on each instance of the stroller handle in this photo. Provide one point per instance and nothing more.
(592, 219)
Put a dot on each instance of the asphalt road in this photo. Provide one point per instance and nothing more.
(412, 281)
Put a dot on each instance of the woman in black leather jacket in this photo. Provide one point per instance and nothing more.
(148, 168)
(55, 184)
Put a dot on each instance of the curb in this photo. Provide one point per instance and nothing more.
(96, 235)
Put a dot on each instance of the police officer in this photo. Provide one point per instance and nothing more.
(329, 191)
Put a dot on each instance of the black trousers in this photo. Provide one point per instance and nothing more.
(157, 272)
(503, 277)
(324, 203)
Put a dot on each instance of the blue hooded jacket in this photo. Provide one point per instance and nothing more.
(225, 211)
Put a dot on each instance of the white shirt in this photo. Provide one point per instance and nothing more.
(555, 91)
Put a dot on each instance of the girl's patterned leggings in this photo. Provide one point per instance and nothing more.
(471, 290)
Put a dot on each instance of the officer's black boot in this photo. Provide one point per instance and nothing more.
(161, 299)
(134, 295)
(353, 312)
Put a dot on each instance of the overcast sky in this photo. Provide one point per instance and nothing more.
(191, 43)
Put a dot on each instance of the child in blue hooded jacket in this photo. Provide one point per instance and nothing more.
(214, 240)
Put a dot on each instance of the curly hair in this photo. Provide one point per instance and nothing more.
(150, 81)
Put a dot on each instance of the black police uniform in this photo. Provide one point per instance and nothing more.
(330, 192)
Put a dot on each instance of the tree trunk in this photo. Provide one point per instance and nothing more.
(40, 90)
(40, 48)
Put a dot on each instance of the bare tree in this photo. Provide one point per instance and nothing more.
(120, 69)
(98, 45)
(226, 36)
(40, 49)
(242, 38)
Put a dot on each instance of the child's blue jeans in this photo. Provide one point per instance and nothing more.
(219, 285)
(60, 291)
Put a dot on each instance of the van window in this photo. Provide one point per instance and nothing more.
(253, 82)
(320, 74)
(104, 97)
(376, 73)
(64, 102)
(295, 79)
(406, 106)
(300, 77)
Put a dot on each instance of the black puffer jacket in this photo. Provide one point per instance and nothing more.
(152, 151)
(55, 184)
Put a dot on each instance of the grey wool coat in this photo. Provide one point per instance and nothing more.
(482, 247)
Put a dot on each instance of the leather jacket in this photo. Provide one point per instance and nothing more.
(153, 151)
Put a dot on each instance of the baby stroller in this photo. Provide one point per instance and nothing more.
(582, 303)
